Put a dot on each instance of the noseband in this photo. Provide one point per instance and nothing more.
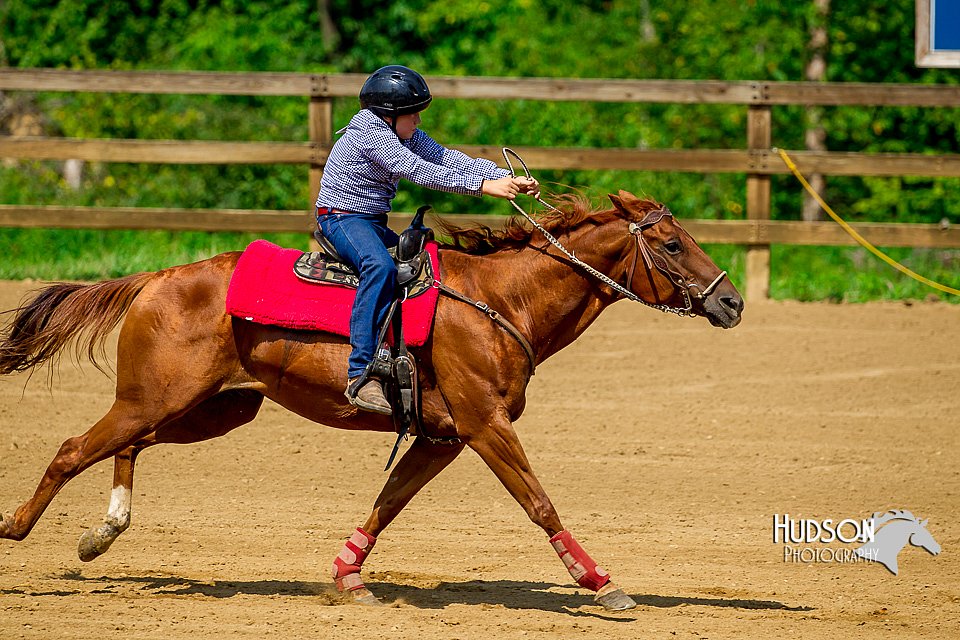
(689, 288)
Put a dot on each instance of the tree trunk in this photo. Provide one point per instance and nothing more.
(73, 173)
(815, 136)
(328, 29)
(647, 31)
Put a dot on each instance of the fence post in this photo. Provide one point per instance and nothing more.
(320, 125)
(321, 136)
(758, 202)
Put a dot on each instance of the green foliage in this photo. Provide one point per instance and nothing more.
(54, 254)
(228, 35)
(842, 274)
(707, 39)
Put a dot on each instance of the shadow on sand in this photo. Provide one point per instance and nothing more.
(511, 594)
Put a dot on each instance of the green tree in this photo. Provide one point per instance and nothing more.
(702, 39)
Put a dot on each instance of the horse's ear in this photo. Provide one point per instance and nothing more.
(624, 201)
(617, 202)
(924, 523)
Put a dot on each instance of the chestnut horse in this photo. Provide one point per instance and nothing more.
(186, 371)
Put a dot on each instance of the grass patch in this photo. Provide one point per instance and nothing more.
(60, 254)
(847, 274)
(839, 274)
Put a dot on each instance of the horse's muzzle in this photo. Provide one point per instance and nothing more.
(724, 306)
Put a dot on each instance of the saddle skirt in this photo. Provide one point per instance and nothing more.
(264, 289)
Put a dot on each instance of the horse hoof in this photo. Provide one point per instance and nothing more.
(8, 523)
(95, 541)
(612, 598)
(365, 597)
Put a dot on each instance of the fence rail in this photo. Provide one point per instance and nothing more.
(346, 85)
(746, 232)
(681, 160)
(757, 161)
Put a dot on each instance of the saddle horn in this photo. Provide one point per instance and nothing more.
(414, 237)
(417, 222)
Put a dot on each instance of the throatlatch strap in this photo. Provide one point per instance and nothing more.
(580, 565)
(347, 564)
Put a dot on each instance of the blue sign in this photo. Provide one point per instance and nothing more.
(945, 27)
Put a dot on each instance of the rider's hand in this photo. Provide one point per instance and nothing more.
(529, 186)
(506, 187)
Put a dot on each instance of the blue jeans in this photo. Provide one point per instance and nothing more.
(362, 239)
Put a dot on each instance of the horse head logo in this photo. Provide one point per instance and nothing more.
(898, 528)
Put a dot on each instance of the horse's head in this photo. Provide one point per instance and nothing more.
(670, 268)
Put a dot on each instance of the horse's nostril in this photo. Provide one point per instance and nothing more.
(733, 303)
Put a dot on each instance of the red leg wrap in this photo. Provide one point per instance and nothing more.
(347, 564)
(580, 565)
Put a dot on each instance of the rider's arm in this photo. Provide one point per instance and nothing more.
(497, 181)
(429, 149)
(383, 148)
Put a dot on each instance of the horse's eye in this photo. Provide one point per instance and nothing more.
(673, 247)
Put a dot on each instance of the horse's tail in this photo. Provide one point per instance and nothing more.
(62, 312)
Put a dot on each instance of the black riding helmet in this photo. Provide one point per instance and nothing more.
(395, 90)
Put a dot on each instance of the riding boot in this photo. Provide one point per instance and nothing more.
(369, 397)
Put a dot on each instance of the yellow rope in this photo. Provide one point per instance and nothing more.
(856, 236)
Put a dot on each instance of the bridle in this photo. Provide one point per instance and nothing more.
(687, 286)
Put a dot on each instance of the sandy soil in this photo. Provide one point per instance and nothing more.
(666, 445)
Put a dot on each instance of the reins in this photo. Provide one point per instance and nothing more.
(637, 230)
(650, 261)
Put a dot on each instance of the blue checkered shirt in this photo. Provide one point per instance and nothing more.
(367, 162)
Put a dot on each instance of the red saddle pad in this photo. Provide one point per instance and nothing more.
(264, 289)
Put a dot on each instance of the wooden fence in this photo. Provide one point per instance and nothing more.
(757, 231)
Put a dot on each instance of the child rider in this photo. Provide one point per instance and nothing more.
(381, 145)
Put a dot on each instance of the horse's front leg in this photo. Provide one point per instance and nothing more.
(499, 447)
(418, 466)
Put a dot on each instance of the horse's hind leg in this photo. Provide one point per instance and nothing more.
(96, 540)
(212, 418)
(124, 424)
(172, 353)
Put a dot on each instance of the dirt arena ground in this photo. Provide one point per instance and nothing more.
(666, 445)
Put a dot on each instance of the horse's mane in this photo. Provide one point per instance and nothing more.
(572, 211)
